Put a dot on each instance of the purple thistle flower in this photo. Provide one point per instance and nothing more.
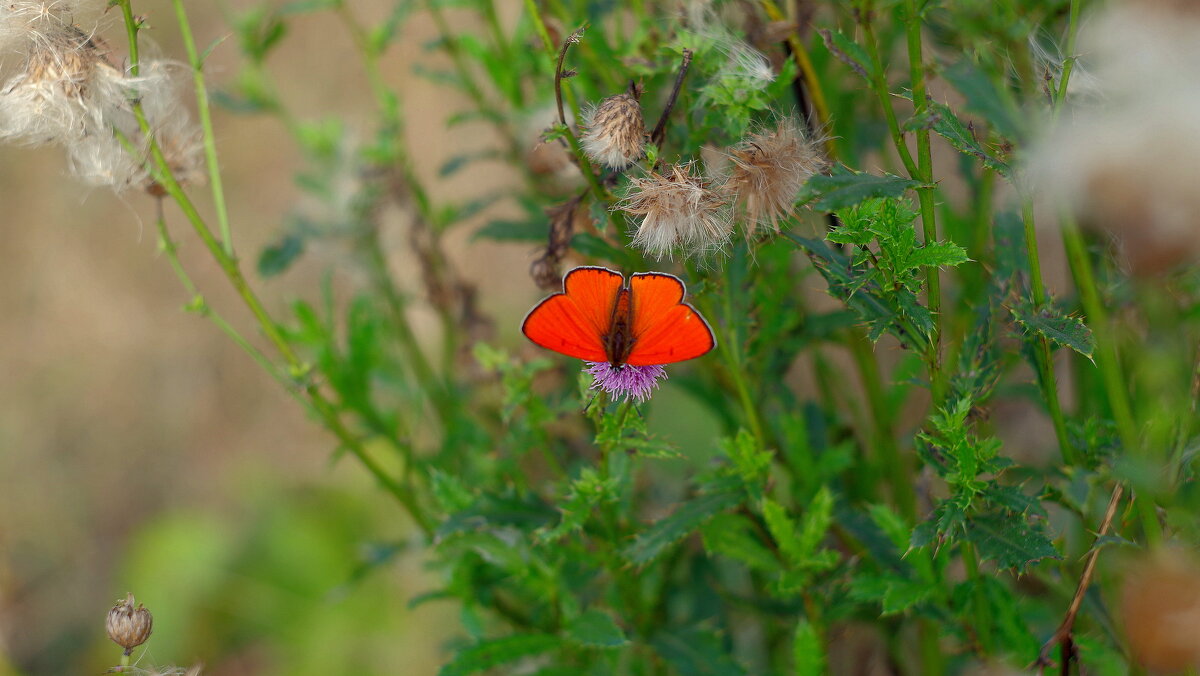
(636, 382)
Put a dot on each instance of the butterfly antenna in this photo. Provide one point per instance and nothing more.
(588, 406)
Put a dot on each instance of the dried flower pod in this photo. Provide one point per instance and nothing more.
(129, 627)
(769, 168)
(1160, 608)
(615, 135)
(677, 210)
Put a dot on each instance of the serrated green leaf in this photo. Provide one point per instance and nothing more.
(692, 514)
(846, 188)
(750, 461)
(945, 123)
(1010, 540)
(808, 654)
(938, 254)
(817, 519)
(733, 535)
(892, 525)
(1058, 328)
(984, 98)
(597, 629)
(783, 531)
(495, 652)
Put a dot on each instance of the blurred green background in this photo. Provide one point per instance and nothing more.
(141, 451)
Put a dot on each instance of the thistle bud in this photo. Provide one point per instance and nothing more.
(129, 627)
(678, 210)
(615, 135)
(769, 168)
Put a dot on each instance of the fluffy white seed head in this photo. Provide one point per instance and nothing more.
(61, 86)
(678, 211)
(768, 169)
(615, 136)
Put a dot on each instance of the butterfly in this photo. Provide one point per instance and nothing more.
(601, 319)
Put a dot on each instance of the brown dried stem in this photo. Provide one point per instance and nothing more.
(572, 39)
(660, 129)
(1063, 635)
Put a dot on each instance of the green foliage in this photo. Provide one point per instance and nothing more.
(831, 465)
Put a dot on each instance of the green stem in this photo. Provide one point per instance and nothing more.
(430, 383)
(1109, 363)
(210, 143)
(731, 350)
(980, 605)
(552, 49)
(924, 174)
(880, 87)
(1044, 356)
(168, 247)
(325, 409)
(893, 464)
(1069, 63)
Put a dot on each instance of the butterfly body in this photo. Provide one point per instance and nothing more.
(600, 318)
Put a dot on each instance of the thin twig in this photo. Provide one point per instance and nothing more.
(572, 39)
(1062, 636)
(660, 129)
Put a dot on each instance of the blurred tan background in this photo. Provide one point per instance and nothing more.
(126, 422)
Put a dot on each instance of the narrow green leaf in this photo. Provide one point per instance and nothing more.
(848, 52)
(492, 653)
(807, 651)
(457, 162)
(695, 652)
(681, 523)
(513, 231)
(846, 188)
(596, 628)
(1059, 328)
(817, 519)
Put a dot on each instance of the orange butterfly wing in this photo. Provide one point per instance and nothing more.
(666, 329)
(574, 322)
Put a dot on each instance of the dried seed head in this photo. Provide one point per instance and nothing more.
(129, 627)
(1160, 608)
(678, 210)
(615, 135)
(67, 91)
(769, 168)
(63, 91)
